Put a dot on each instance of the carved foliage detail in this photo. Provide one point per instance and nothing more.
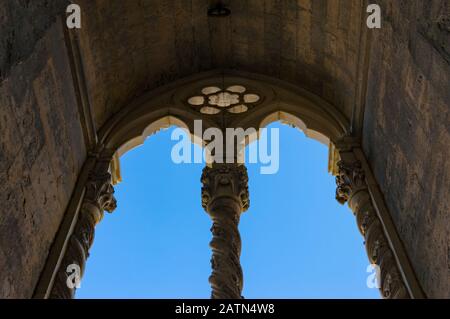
(350, 178)
(224, 185)
(98, 198)
(352, 188)
(99, 191)
(225, 179)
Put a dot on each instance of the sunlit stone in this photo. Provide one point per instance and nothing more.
(209, 110)
(251, 98)
(210, 90)
(196, 100)
(224, 99)
(238, 109)
(236, 89)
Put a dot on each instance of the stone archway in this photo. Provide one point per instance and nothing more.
(225, 190)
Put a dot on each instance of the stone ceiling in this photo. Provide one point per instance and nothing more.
(129, 47)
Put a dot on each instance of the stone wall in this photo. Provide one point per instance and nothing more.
(22, 24)
(407, 131)
(129, 47)
(41, 150)
(407, 120)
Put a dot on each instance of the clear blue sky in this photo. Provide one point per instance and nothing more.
(297, 241)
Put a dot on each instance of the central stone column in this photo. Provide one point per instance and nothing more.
(224, 197)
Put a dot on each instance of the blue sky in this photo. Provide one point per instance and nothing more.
(297, 241)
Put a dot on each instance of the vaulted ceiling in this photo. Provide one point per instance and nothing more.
(129, 47)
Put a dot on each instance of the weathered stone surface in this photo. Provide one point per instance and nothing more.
(41, 153)
(22, 24)
(407, 132)
(133, 46)
(128, 47)
(225, 197)
(99, 197)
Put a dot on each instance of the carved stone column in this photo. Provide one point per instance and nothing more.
(225, 196)
(98, 198)
(352, 188)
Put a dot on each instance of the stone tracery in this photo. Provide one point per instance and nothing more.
(225, 191)
(235, 99)
(65, 97)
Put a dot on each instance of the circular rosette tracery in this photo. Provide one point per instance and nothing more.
(235, 99)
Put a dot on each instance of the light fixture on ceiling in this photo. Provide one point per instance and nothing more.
(218, 10)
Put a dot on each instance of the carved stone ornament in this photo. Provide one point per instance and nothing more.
(352, 188)
(229, 180)
(98, 198)
(225, 196)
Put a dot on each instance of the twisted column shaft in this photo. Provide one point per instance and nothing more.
(98, 198)
(225, 197)
(352, 188)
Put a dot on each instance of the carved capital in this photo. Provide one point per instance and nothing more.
(99, 192)
(225, 181)
(349, 179)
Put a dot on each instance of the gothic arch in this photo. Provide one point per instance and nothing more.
(167, 105)
(279, 101)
